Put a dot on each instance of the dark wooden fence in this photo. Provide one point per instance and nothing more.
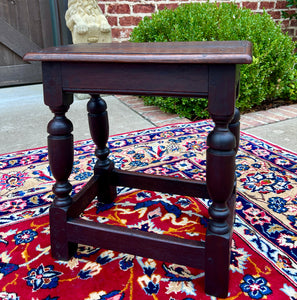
(27, 25)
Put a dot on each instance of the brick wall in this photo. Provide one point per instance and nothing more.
(124, 15)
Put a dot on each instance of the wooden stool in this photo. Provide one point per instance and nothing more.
(194, 69)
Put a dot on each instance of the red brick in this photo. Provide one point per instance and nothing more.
(159, 116)
(244, 125)
(168, 5)
(102, 6)
(116, 32)
(287, 112)
(129, 21)
(250, 5)
(275, 14)
(292, 107)
(145, 109)
(132, 101)
(237, 4)
(250, 122)
(267, 5)
(279, 115)
(143, 8)
(151, 113)
(121, 33)
(290, 31)
(172, 121)
(281, 4)
(127, 97)
(112, 21)
(257, 117)
(293, 23)
(118, 9)
(285, 23)
(268, 116)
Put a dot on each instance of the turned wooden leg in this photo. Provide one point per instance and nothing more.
(220, 176)
(234, 127)
(60, 153)
(99, 128)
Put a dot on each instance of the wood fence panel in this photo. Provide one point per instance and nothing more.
(25, 25)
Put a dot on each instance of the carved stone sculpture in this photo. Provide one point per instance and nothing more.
(87, 23)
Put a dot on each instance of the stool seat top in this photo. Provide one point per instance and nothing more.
(209, 52)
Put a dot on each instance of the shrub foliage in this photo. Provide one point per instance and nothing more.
(272, 74)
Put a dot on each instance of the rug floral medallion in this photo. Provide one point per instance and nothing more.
(264, 247)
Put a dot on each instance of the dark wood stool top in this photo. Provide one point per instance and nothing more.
(196, 69)
(220, 52)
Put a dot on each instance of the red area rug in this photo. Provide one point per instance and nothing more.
(264, 250)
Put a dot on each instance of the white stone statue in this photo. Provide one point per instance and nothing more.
(87, 23)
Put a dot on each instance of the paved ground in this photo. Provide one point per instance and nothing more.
(277, 125)
(24, 118)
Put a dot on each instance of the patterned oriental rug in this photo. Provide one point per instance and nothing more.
(264, 249)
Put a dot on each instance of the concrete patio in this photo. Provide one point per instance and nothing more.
(24, 119)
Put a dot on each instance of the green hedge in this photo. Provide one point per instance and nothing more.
(272, 74)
